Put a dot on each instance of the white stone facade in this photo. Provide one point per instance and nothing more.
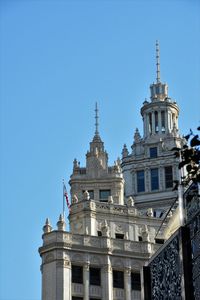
(113, 226)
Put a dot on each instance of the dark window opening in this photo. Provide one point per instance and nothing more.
(159, 241)
(140, 181)
(118, 279)
(95, 276)
(104, 194)
(139, 238)
(135, 281)
(77, 298)
(77, 274)
(163, 121)
(99, 233)
(158, 213)
(168, 177)
(153, 152)
(154, 179)
(119, 236)
(156, 122)
(150, 123)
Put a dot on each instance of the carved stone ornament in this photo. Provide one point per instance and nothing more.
(74, 199)
(49, 258)
(150, 212)
(86, 266)
(128, 271)
(110, 199)
(119, 228)
(130, 201)
(105, 229)
(86, 195)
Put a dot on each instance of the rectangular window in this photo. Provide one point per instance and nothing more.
(99, 233)
(77, 274)
(154, 179)
(159, 241)
(153, 152)
(91, 193)
(168, 177)
(119, 236)
(139, 238)
(118, 279)
(95, 276)
(150, 123)
(135, 281)
(103, 195)
(140, 181)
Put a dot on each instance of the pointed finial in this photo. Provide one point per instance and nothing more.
(157, 62)
(96, 120)
(61, 223)
(47, 227)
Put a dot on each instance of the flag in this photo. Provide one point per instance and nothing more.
(65, 194)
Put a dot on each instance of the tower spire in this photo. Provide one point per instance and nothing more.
(157, 62)
(96, 120)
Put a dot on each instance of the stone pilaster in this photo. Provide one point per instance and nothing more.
(127, 282)
(86, 284)
(107, 282)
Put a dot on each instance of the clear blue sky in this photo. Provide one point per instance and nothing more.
(56, 59)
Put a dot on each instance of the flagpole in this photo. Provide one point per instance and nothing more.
(63, 200)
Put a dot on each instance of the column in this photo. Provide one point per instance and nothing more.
(153, 122)
(107, 283)
(127, 282)
(86, 280)
(159, 122)
(67, 280)
(161, 178)
(147, 177)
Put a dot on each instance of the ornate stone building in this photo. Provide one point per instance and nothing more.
(115, 212)
(150, 168)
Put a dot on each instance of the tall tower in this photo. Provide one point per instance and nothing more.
(116, 211)
(108, 242)
(150, 168)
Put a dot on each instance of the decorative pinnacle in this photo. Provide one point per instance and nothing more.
(96, 120)
(157, 62)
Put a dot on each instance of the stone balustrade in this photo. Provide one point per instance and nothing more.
(68, 240)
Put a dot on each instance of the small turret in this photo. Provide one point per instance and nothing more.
(96, 156)
(125, 151)
(61, 223)
(47, 227)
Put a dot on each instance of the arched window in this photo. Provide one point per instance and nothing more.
(150, 123)
(156, 122)
(163, 121)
